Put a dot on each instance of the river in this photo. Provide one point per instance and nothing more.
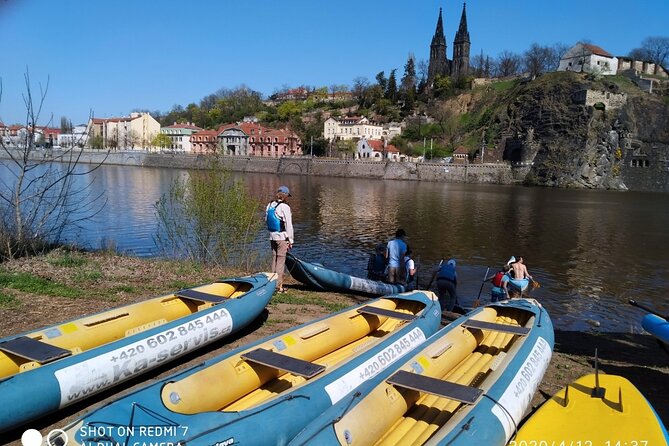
(591, 251)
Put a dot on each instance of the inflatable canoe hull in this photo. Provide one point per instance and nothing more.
(476, 358)
(621, 415)
(37, 390)
(321, 278)
(266, 392)
(657, 326)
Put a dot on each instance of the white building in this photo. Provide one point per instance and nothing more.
(584, 57)
(180, 135)
(133, 132)
(78, 137)
(354, 127)
(376, 150)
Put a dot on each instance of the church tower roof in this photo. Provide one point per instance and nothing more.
(438, 37)
(463, 34)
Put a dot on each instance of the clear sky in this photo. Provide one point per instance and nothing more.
(115, 56)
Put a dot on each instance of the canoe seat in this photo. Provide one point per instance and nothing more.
(199, 295)
(387, 313)
(282, 362)
(34, 350)
(445, 389)
(504, 328)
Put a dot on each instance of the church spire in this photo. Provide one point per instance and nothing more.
(461, 46)
(438, 37)
(462, 35)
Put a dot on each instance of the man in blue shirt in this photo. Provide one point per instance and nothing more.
(395, 251)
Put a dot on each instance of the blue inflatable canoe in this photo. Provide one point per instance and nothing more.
(321, 278)
(469, 384)
(48, 369)
(266, 392)
(657, 326)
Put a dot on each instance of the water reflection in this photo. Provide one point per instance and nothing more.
(590, 250)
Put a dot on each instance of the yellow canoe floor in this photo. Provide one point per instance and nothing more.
(235, 384)
(93, 331)
(410, 417)
(621, 417)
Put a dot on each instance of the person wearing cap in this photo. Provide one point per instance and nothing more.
(447, 282)
(395, 251)
(279, 218)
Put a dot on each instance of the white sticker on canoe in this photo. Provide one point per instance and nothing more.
(372, 287)
(95, 374)
(343, 386)
(518, 396)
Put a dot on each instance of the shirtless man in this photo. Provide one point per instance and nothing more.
(519, 269)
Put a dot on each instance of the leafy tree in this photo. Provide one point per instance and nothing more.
(209, 217)
(442, 86)
(381, 81)
(391, 90)
(408, 88)
(96, 142)
(65, 125)
(161, 140)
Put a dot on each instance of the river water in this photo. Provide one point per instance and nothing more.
(591, 251)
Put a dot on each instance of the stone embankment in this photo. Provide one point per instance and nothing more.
(389, 170)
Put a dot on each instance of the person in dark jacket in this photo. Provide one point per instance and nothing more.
(447, 282)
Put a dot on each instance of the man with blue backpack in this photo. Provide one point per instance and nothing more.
(279, 218)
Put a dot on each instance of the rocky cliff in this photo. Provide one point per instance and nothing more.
(577, 132)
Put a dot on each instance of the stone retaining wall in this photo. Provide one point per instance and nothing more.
(390, 170)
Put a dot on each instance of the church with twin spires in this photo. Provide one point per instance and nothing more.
(440, 65)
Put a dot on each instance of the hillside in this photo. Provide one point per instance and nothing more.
(570, 131)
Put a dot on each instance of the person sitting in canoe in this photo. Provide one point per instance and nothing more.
(519, 276)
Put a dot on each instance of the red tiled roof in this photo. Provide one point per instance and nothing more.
(206, 133)
(377, 146)
(594, 49)
(461, 151)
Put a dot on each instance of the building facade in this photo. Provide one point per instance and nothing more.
(125, 133)
(376, 150)
(439, 64)
(204, 141)
(587, 58)
(354, 127)
(179, 135)
(78, 137)
(251, 139)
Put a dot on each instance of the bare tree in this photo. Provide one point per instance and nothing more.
(556, 52)
(42, 193)
(653, 49)
(537, 59)
(508, 64)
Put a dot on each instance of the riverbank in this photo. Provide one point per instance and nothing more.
(40, 291)
(489, 173)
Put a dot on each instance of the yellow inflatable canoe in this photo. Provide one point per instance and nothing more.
(611, 412)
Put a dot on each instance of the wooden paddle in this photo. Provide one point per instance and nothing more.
(477, 302)
(643, 307)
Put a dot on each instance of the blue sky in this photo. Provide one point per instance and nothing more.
(113, 57)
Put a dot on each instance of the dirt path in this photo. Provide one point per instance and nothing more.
(106, 281)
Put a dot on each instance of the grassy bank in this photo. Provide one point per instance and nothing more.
(40, 291)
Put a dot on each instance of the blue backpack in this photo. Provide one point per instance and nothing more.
(274, 223)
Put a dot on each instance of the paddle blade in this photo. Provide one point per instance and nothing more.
(535, 284)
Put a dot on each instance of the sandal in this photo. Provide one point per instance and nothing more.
(281, 291)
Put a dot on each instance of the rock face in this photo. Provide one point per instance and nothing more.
(582, 133)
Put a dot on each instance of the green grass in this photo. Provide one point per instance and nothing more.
(87, 276)
(503, 85)
(68, 260)
(30, 284)
(123, 289)
(309, 299)
(7, 300)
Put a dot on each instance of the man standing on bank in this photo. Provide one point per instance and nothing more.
(279, 219)
(395, 251)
